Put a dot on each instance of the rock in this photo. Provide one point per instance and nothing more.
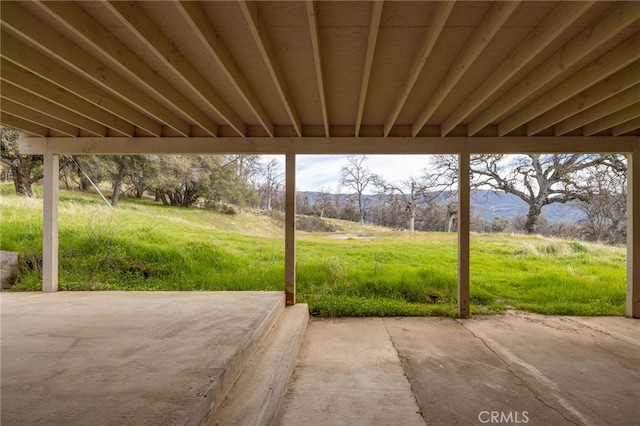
(8, 268)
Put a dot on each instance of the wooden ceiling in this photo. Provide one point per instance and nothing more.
(326, 68)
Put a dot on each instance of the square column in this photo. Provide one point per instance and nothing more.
(50, 223)
(633, 234)
(290, 231)
(464, 215)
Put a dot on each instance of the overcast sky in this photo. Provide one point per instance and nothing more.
(314, 172)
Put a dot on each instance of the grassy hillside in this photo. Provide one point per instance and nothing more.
(356, 271)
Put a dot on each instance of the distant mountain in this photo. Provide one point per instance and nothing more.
(493, 204)
(489, 205)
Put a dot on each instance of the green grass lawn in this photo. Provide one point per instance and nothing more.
(146, 246)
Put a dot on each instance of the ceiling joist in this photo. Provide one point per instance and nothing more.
(498, 13)
(619, 117)
(558, 20)
(312, 14)
(34, 116)
(88, 28)
(252, 18)
(611, 23)
(611, 105)
(47, 107)
(374, 27)
(609, 63)
(31, 28)
(587, 99)
(195, 14)
(429, 39)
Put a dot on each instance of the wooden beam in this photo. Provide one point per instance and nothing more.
(633, 234)
(196, 16)
(27, 57)
(491, 23)
(626, 127)
(38, 118)
(374, 26)
(585, 100)
(50, 223)
(464, 232)
(19, 123)
(333, 145)
(32, 28)
(615, 20)
(612, 120)
(27, 81)
(134, 18)
(558, 20)
(91, 31)
(47, 107)
(611, 105)
(312, 14)
(614, 60)
(290, 230)
(250, 12)
(438, 19)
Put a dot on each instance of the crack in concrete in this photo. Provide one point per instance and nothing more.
(617, 337)
(420, 411)
(523, 381)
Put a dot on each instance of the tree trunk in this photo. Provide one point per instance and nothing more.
(531, 225)
(115, 196)
(22, 176)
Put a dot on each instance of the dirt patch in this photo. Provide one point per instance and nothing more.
(351, 236)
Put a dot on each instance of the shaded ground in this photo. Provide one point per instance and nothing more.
(508, 369)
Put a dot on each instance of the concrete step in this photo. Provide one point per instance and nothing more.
(254, 397)
(216, 394)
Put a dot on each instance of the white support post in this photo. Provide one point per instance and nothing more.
(290, 230)
(50, 224)
(464, 202)
(633, 233)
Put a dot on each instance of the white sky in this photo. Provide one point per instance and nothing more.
(314, 172)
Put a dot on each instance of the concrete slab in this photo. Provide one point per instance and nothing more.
(506, 369)
(348, 373)
(125, 358)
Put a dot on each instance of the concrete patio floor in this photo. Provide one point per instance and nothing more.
(506, 369)
(125, 358)
(128, 358)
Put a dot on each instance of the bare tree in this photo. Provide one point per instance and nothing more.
(357, 176)
(537, 179)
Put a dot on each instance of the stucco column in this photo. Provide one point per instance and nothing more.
(633, 233)
(290, 230)
(464, 202)
(50, 224)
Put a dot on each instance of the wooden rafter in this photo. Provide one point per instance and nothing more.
(497, 15)
(438, 19)
(46, 68)
(587, 99)
(194, 13)
(627, 126)
(250, 12)
(609, 106)
(558, 20)
(38, 32)
(312, 14)
(8, 119)
(29, 82)
(611, 23)
(132, 15)
(38, 117)
(47, 107)
(609, 63)
(374, 26)
(92, 31)
(615, 119)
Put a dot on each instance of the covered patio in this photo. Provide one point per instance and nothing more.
(329, 77)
